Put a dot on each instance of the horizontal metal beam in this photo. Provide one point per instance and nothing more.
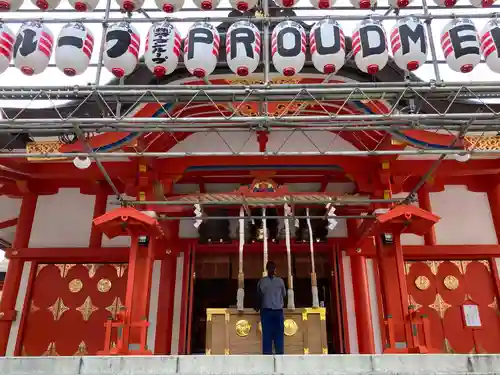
(334, 201)
(252, 217)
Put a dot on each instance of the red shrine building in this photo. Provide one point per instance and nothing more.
(147, 271)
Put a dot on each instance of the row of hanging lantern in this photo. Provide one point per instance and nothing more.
(171, 6)
(462, 46)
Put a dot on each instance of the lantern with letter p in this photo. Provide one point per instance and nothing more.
(201, 49)
(163, 48)
(74, 47)
(490, 44)
(33, 47)
(243, 47)
(460, 43)
(288, 48)
(7, 39)
(369, 45)
(408, 43)
(121, 49)
(327, 44)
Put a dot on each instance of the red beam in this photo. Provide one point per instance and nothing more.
(72, 254)
(439, 252)
(8, 223)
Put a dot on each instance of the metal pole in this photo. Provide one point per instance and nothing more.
(432, 47)
(250, 218)
(103, 42)
(336, 201)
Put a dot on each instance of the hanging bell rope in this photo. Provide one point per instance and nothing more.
(290, 293)
(240, 294)
(314, 281)
(266, 250)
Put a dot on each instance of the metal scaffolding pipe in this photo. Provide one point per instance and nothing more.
(334, 201)
(251, 217)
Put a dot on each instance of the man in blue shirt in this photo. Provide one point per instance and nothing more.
(271, 293)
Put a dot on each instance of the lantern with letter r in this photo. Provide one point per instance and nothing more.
(243, 47)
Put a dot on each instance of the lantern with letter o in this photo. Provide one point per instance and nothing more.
(33, 47)
(288, 48)
(490, 44)
(121, 49)
(201, 49)
(460, 44)
(327, 44)
(74, 47)
(408, 43)
(7, 39)
(163, 48)
(369, 46)
(243, 47)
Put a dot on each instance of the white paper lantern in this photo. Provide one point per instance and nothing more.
(482, 3)
(327, 45)
(399, 3)
(445, 3)
(243, 47)
(7, 39)
(46, 4)
(201, 49)
(206, 4)
(121, 49)
(74, 47)
(288, 46)
(170, 6)
(369, 45)
(163, 48)
(84, 5)
(364, 4)
(130, 5)
(10, 5)
(408, 43)
(33, 47)
(286, 3)
(460, 44)
(490, 44)
(243, 5)
(322, 4)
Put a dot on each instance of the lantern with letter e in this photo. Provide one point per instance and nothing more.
(490, 44)
(288, 46)
(460, 43)
(201, 49)
(33, 47)
(369, 45)
(243, 48)
(10, 5)
(408, 43)
(74, 47)
(170, 6)
(327, 44)
(121, 49)
(163, 48)
(7, 39)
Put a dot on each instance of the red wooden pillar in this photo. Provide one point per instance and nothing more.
(494, 199)
(364, 323)
(15, 269)
(424, 203)
(101, 201)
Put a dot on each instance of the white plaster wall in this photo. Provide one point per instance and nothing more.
(9, 209)
(408, 238)
(372, 290)
(176, 321)
(121, 241)
(63, 220)
(21, 296)
(350, 308)
(153, 304)
(465, 217)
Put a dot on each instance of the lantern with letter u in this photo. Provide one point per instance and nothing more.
(288, 46)
(121, 49)
(460, 43)
(243, 48)
(408, 43)
(33, 47)
(163, 48)
(327, 44)
(74, 47)
(369, 45)
(201, 49)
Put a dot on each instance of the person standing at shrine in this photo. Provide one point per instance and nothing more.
(271, 293)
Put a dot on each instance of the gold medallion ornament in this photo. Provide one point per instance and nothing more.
(104, 285)
(75, 285)
(291, 327)
(451, 282)
(243, 328)
(422, 283)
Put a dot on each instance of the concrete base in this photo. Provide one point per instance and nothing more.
(428, 364)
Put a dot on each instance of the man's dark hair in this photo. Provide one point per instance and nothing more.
(271, 267)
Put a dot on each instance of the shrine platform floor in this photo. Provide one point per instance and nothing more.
(254, 365)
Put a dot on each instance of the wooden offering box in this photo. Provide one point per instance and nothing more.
(232, 332)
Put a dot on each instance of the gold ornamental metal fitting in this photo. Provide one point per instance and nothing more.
(243, 328)
(291, 327)
(104, 285)
(422, 283)
(451, 282)
(75, 285)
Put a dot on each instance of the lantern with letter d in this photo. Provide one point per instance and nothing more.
(201, 49)
(243, 48)
(121, 49)
(75, 44)
(288, 46)
(460, 43)
(327, 44)
(408, 43)
(163, 48)
(369, 46)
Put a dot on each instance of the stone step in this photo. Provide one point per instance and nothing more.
(430, 364)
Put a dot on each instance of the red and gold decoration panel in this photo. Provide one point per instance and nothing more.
(69, 305)
(441, 289)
